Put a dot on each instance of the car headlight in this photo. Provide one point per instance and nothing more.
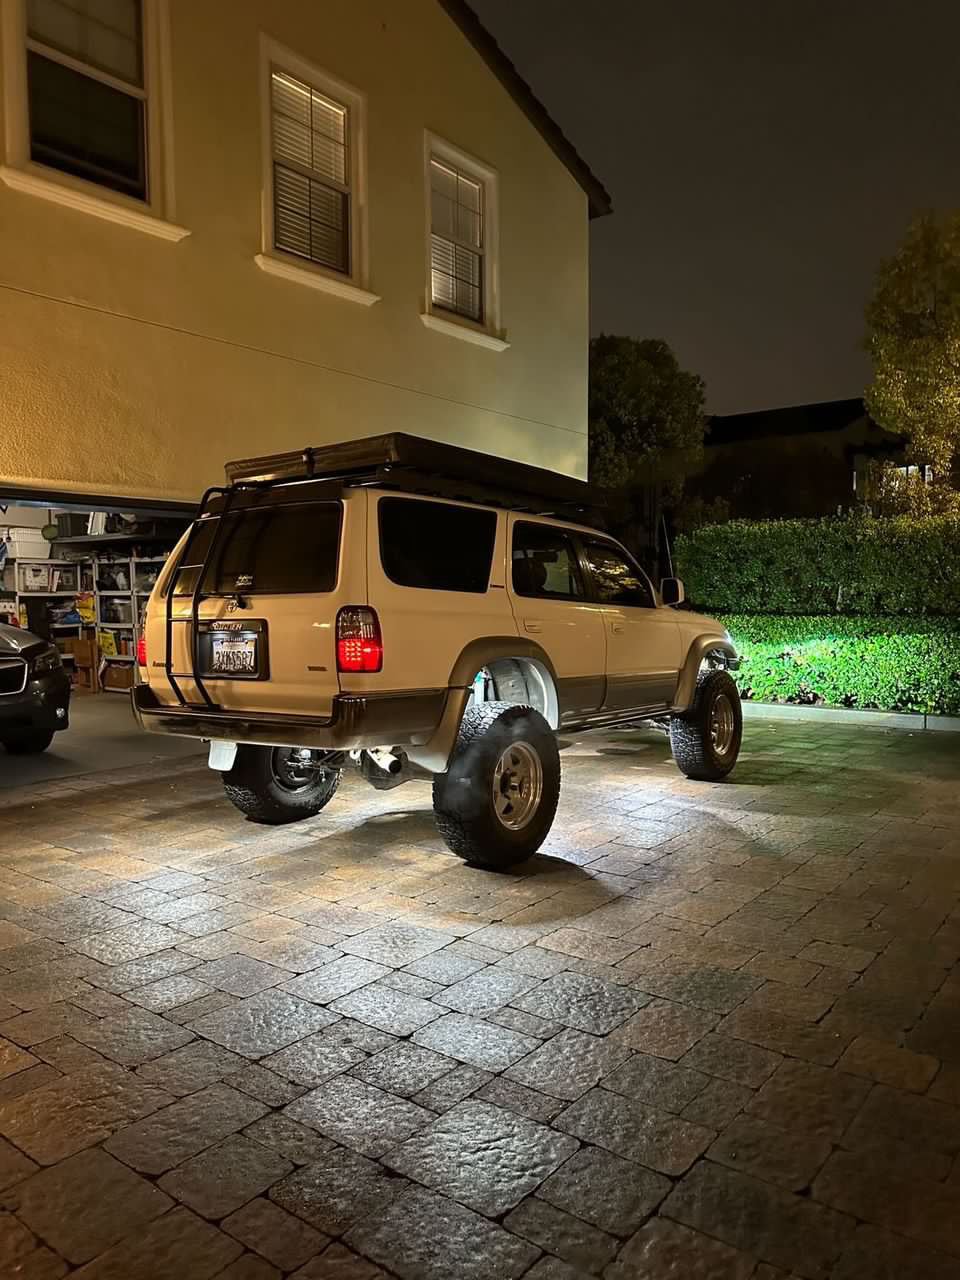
(49, 660)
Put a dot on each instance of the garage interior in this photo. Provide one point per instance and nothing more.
(78, 571)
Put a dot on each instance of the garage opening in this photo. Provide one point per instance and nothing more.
(76, 572)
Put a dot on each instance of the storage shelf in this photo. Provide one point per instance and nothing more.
(117, 657)
(115, 626)
(114, 537)
(113, 593)
(40, 595)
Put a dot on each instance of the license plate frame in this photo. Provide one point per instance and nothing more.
(234, 650)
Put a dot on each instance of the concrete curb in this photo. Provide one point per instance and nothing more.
(917, 722)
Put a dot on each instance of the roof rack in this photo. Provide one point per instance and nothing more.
(416, 465)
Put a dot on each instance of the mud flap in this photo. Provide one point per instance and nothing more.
(222, 755)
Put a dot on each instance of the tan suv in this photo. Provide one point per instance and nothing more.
(415, 609)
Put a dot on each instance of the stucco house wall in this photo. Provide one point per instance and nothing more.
(136, 365)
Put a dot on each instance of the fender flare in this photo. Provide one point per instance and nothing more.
(434, 754)
(699, 648)
(479, 653)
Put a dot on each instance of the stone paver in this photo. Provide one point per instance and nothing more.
(87, 1203)
(582, 1002)
(425, 1236)
(225, 1176)
(482, 1155)
(568, 1064)
(664, 1248)
(478, 1043)
(262, 1024)
(652, 1138)
(188, 1126)
(712, 1033)
(359, 1115)
(610, 1192)
(283, 1239)
(177, 1245)
(338, 1189)
(77, 1111)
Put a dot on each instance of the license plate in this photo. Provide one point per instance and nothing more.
(233, 655)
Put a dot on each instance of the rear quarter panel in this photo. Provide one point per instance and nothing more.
(425, 631)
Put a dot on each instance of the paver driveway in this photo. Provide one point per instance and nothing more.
(712, 1033)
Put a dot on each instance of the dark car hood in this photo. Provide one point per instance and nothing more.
(15, 642)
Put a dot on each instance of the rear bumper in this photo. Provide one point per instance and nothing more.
(381, 720)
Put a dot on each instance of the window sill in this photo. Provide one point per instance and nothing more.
(36, 184)
(315, 279)
(466, 333)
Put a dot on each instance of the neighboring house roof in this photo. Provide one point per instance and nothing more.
(518, 89)
(792, 420)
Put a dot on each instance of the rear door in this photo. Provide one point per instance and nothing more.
(551, 604)
(269, 600)
(643, 638)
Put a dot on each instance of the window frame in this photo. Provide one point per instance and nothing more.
(578, 562)
(352, 285)
(487, 331)
(20, 171)
(593, 592)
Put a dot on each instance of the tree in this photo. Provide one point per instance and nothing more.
(913, 322)
(647, 425)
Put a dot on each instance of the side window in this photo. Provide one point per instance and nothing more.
(545, 563)
(617, 579)
(436, 545)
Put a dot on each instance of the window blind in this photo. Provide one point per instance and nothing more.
(456, 240)
(311, 173)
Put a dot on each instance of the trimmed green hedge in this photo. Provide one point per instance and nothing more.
(891, 664)
(853, 565)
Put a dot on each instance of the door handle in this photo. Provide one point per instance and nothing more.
(618, 628)
(532, 624)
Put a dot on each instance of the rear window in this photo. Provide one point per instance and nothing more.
(436, 545)
(285, 550)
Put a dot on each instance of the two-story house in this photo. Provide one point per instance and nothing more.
(235, 227)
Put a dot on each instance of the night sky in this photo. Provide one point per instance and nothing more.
(762, 155)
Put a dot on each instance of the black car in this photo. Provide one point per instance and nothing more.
(34, 691)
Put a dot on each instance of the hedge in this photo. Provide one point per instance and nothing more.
(891, 664)
(854, 565)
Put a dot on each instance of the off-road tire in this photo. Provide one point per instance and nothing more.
(251, 785)
(691, 738)
(463, 797)
(28, 742)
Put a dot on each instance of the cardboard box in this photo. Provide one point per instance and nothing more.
(116, 676)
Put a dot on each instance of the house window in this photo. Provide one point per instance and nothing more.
(919, 471)
(457, 240)
(86, 91)
(312, 173)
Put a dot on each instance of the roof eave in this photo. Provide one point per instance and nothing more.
(599, 201)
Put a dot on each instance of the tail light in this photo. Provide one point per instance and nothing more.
(359, 643)
(142, 647)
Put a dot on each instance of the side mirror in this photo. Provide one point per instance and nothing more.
(671, 591)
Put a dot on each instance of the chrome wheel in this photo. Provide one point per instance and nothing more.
(517, 785)
(722, 724)
(295, 767)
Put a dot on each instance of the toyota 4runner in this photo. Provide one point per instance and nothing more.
(415, 609)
